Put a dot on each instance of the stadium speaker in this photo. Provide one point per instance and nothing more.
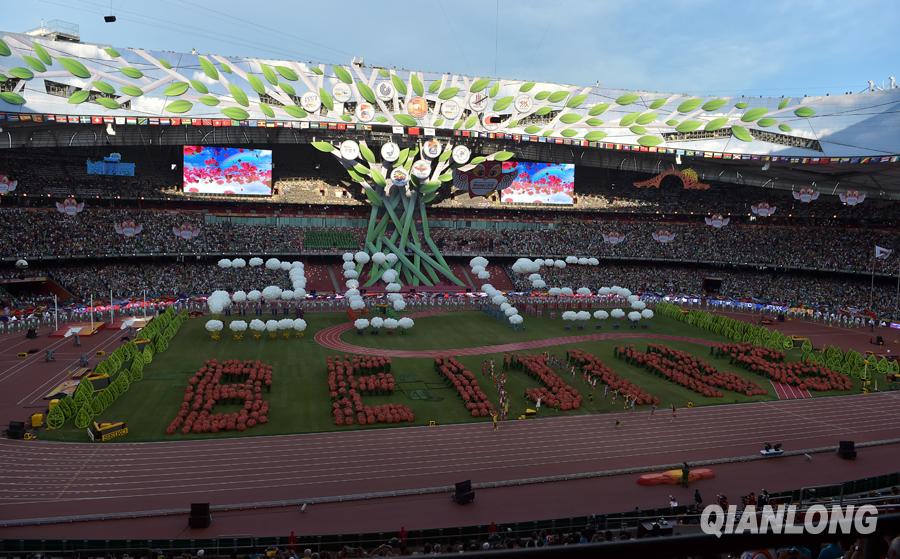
(463, 493)
(200, 517)
(16, 430)
(31, 334)
(847, 450)
(109, 19)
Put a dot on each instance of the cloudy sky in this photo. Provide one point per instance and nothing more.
(760, 47)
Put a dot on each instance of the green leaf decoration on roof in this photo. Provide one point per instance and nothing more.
(532, 129)
(558, 96)
(399, 84)
(287, 88)
(74, 67)
(784, 127)
(225, 67)
(295, 111)
(199, 87)
(209, 101)
(495, 89)
(594, 122)
(570, 118)
(437, 122)
(104, 87)
(21, 73)
(657, 103)
(107, 102)
(629, 119)
(318, 71)
(366, 92)
(4, 48)
(287, 73)
(383, 72)
(164, 63)
(526, 87)
(627, 99)
(377, 177)
(713, 104)
(343, 74)
(366, 153)
(646, 118)
(268, 73)
(323, 146)
(417, 84)
(79, 96)
(754, 114)
(741, 105)
(235, 113)
(479, 85)
(434, 86)
(569, 132)
(34, 63)
(176, 89)
(132, 91)
(650, 141)
(598, 109)
(577, 101)
(688, 126)
(112, 52)
(405, 119)
(764, 122)
(256, 84)
(595, 136)
(671, 122)
(503, 155)
(541, 95)
(805, 112)
(784, 103)
(180, 106)
(478, 160)
(208, 68)
(543, 110)
(637, 130)
(503, 103)
(547, 133)
(267, 110)
(131, 72)
(716, 124)
(689, 105)
(448, 93)
(239, 96)
(346, 118)
(326, 98)
(741, 133)
(471, 121)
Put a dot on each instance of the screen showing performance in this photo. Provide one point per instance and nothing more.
(541, 183)
(219, 170)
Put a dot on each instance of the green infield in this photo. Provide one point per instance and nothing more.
(299, 399)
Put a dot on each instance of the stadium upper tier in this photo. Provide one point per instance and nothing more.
(56, 79)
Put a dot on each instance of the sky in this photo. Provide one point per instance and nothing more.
(757, 47)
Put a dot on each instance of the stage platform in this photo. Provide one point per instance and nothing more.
(128, 322)
(82, 328)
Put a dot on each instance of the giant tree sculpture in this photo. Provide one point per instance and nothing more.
(399, 185)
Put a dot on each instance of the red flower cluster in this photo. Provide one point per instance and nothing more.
(466, 386)
(205, 390)
(555, 393)
(688, 364)
(770, 363)
(679, 373)
(598, 369)
(346, 388)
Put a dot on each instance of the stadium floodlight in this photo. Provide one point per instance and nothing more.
(110, 131)
(109, 19)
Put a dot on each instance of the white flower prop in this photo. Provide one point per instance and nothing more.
(582, 261)
(478, 261)
(498, 299)
(525, 266)
(297, 264)
(487, 288)
(299, 325)
(361, 323)
(238, 263)
(504, 306)
(406, 323)
(569, 315)
(352, 293)
(601, 315)
(583, 291)
(484, 275)
(349, 266)
(238, 325)
(239, 296)
(511, 311)
(357, 304)
(634, 316)
(287, 295)
(593, 261)
(399, 305)
(617, 313)
(390, 323)
(352, 284)
(565, 291)
(389, 276)
(257, 325)
(624, 292)
(218, 301)
(271, 293)
(631, 298)
(391, 258)
(299, 293)
(477, 269)
(571, 260)
(347, 257)
(271, 325)
(256, 262)
(285, 266)
(361, 257)
(534, 277)
(559, 264)
(214, 325)
(285, 324)
(516, 319)
(377, 322)
(583, 315)
(379, 258)
(646, 314)
(273, 264)
(224, 263)
(539, 284)
(638, 305)
(555, 292)
(351, 274)
(393, 287)
(604, 291)
(253, 295)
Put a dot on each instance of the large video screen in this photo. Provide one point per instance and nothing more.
(541, 183)
(220, 170)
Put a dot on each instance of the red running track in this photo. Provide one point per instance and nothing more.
(50, 479)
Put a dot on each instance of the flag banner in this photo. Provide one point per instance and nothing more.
(881, 252)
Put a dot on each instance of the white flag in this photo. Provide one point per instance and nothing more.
(881, 252)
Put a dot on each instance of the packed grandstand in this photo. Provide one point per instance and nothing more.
(618, 307)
